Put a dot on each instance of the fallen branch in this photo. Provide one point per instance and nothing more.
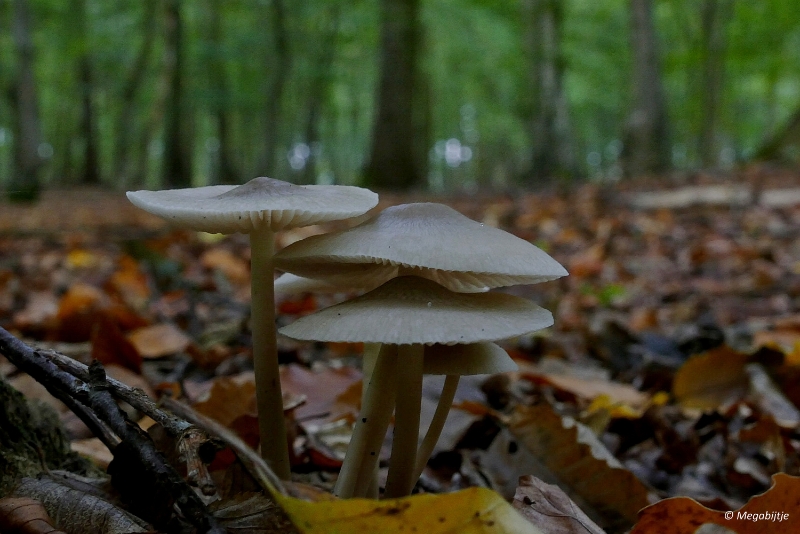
(142, 461)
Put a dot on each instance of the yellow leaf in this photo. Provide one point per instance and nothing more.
(470, 511)
(712, 379)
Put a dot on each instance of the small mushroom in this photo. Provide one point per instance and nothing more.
(260, 207)
(429, 240)
(410, 312)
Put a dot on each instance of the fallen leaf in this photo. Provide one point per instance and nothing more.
(574, 459)
(109, 345)
(229, 399)
(470, 511)
(159, 340)
(711, 379)
(772, 511)
(78, 511)
(23, 515)
(549, 508)
(93, 449)
(323, 391)
(235, 269)
(130, 283)
(591, 389)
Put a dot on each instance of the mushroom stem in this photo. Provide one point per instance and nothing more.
(401, 479)
(437, 423)
(370, 358)
(370, 427)
(271, 424)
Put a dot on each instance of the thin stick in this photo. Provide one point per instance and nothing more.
(437, 423)
(271, 424)
(401, 479)
(371, 425)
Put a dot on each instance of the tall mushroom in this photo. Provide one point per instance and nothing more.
(260, 208)
(428, 240)
(411, 312)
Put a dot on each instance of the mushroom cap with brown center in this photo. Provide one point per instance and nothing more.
(260, 202)
(413, 310)
(429, 240)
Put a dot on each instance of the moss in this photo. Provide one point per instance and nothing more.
(32, 440)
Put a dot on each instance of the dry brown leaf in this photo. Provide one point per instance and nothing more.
(235, 269)
(712, 379)
(604, 490)
(252, 514)
(591, 389)
(130, 284)
(772, 511)
(23, 515)
(229, 399)
(109, 345)
(550, 509)
(323, 391)
(159, 340)
(78, 511)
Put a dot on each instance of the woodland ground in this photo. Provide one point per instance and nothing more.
(676, 341)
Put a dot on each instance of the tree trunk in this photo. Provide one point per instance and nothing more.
(224, 171)
(27, 129)
(123, 168)
(783, 146)
(553, 151)
(715, 15)
(177, 163)
(90, 174)
(277, 84)
(647, 144)
(317, 93)
(392, 162)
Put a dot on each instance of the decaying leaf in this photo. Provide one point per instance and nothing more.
(159, 340)
(770, 512)
(23, 515)
(559, 453)
(76, 511)
(548, 507)
(252, 514)
(709, 380)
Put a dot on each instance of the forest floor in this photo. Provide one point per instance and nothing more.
(676, 345)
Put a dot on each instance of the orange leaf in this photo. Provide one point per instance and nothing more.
(772, 511)
(109, 345)
(159, 340)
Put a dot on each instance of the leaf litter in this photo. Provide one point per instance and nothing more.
(671, 376)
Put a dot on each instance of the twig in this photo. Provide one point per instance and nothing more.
(152, 470)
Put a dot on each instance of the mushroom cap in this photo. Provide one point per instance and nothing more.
(260, 202)
(429, 240)
(409, 310)
(472, 359)
(290, 284)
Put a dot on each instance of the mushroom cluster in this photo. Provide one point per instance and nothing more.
(435, 266)
(259, 208)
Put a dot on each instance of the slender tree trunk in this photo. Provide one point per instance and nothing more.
(124, 130)
(26, 127)
(715, 15)
(275, 89)
(392, 162)
(317, 92)
(553, 150)
(90, 173)
(647, 144)
(177, 165)
(225, 171)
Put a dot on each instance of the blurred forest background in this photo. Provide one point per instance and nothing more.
(449, 95)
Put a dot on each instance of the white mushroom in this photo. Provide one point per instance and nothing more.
(410, 312)
(260, 207)
(429, 240)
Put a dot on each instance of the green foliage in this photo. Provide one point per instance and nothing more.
(476, 80)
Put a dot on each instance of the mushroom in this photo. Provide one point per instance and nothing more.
(409, 312)
(260, 207)
(429, 240)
